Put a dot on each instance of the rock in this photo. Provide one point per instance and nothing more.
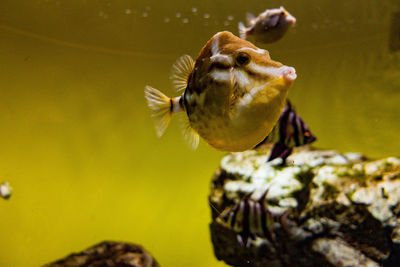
(110, 254)
(335, 209)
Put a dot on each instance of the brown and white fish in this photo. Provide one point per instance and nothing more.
(233, 94)
(268, 27)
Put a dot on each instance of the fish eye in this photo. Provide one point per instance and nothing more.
(282, 13)
(242, 59)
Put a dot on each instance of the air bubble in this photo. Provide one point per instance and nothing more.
(166, 19)
(178, 15)
(145, 14)
(226, 23)
(128, 11)
(194, 9)
(185, 20)
(206, 16)
(230, 17)
(314, 26)
(103, 15)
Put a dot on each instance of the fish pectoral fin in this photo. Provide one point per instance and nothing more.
(191, 136)
(237, 93)
(244, 100)
(250, 18)
(180, 72)
(273, 21)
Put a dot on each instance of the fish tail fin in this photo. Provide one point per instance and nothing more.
(242, 30)
(162, 108)
(250, 18)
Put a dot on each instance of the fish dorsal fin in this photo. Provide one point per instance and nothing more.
(242, 30)
(191, 137)
(181, 71)
(250, 18)
(263, 197)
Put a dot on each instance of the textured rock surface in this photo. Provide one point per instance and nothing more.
(342, 210)
(109, 254)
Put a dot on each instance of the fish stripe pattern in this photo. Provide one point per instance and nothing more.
(250, 218)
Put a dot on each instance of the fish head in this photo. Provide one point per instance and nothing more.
(308, 136)
(286, 20)
(227, 59)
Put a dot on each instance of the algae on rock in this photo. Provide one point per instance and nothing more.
(343, 210)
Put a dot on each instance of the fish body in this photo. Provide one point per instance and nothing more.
(251, 218)
(233, 94)
(290, 131)
(269, 26)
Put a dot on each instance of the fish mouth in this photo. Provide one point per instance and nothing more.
(292, 20)
(289, 74)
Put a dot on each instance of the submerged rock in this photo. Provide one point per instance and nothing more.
(336, 209)
(110, 254)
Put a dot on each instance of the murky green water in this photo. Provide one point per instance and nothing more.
(79, 148)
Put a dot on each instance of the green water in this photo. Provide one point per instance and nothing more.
(80, 151)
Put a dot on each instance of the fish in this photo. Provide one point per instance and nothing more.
(270, 26)
(251, 218)
(290, 131)
(232, 95)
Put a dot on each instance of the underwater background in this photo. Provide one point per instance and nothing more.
(77, 143)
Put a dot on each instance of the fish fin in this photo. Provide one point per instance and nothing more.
(271, 138)
(263, 197)
(181, 70)
(191, 136)
(242, 30)
(263, 142)
(160, 106)
(244, 240)
(280, 151)
(273, 21)
(250, 18)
